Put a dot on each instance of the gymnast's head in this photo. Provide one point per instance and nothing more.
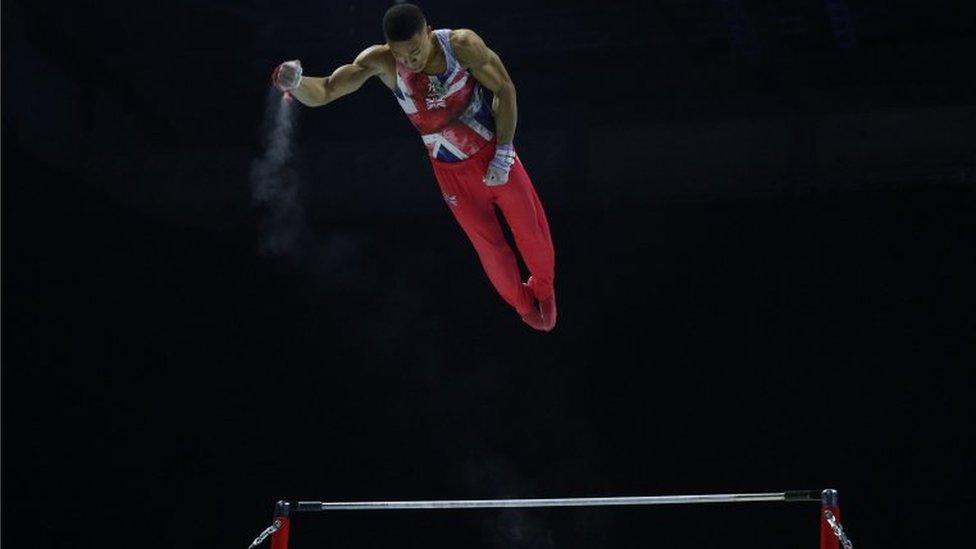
(408, 35)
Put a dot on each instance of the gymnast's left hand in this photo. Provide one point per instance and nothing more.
(500, 165)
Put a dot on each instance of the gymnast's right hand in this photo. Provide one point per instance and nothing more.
(288, 75)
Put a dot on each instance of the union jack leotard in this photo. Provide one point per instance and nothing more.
(452, 111)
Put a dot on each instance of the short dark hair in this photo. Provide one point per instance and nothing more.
(402, 21)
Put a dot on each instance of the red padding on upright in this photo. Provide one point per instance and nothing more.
(279, 540)
(827, 538)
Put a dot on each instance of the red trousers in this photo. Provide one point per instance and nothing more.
(473, 205)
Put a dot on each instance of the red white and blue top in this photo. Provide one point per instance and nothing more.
(452, 111)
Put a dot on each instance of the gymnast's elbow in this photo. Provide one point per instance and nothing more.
(506, 92)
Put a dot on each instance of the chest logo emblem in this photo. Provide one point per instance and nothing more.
(435, 95)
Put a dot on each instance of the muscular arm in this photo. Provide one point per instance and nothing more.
(318, 91)
(487, 68)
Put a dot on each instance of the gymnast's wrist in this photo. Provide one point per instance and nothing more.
(504, 155)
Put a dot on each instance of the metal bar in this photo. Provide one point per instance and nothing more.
(313, 506)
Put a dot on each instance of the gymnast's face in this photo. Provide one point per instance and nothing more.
(415, 52)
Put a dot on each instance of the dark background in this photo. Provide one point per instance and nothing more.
(763, 215)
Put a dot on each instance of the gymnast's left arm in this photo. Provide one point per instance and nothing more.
(488, 70)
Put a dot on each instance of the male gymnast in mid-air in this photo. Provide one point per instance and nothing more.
(457, 93)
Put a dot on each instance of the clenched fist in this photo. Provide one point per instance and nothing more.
(288, 75)
(500, 165)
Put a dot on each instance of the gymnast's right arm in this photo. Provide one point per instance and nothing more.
(314, 91)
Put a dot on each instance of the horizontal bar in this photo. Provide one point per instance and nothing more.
(312, 506)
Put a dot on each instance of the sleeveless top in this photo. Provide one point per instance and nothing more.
(452, 111)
